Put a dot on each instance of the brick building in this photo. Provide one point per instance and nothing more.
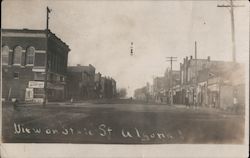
(98, 86)
(81, 82)
(189, 77)
(24, 65)
(108, 87)
(211, 83)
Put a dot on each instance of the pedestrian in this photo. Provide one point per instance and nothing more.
(186, 101)
(15, 103)
(190, 101)
(214, 101)
(195, 102)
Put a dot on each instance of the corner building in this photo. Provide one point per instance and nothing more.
(24, 65)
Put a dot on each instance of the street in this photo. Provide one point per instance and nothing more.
(126, 123)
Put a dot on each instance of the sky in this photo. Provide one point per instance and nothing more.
(100, 33)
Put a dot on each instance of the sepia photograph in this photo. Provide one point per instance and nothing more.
(125, 72)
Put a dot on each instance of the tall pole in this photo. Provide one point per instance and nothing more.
(46, 56)
(171, 59)
(233, 30)
(231, 6)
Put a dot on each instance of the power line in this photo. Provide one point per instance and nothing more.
(232, 6)
(171, 59)
(48, 10)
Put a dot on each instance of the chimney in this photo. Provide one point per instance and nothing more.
(208, 58)
(191, 57)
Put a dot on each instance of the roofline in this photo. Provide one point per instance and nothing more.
(22, 30)
(35, 31)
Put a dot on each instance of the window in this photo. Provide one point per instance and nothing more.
(40, 59)
(16, 75)
(51, 76)
(17, 55)
(5, 55)
(30, 56)
(38, 92)
(61, 79)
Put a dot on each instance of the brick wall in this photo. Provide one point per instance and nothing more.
(15, 88)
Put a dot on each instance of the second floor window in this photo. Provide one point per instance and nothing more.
(17, 55)
(5, 55)
(39, 59)
(30, 56)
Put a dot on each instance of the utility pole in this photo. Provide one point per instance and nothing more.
(46, 56)
(171, 59)
(231, 6)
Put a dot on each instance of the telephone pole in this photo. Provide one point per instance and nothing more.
(231, 6)
(171, 59)
(48, 10)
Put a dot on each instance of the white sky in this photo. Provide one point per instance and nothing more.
(100, 33)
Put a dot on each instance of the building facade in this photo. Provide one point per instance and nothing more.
(81, 82)
(108, 87)
(210, 83)
(26, 55)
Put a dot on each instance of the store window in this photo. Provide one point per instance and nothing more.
(38, 92)
(5, 55)
(30, 52)
(17, 55)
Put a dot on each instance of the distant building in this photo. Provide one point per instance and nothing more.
(162, 86)
(189, 78)
(81, 82)
(114, 92)
(141, 94)
(24, 65)
(175, 86)
(108, 87)
(206, 82)
(145, 93)
(98, 85)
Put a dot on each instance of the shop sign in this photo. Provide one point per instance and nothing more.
(36, 84)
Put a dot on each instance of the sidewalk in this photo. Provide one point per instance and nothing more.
(210, 109)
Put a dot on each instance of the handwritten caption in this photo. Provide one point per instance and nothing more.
(101, 130)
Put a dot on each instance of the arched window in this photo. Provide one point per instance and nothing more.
(30, 52)
(5, 55)
(17, 55)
